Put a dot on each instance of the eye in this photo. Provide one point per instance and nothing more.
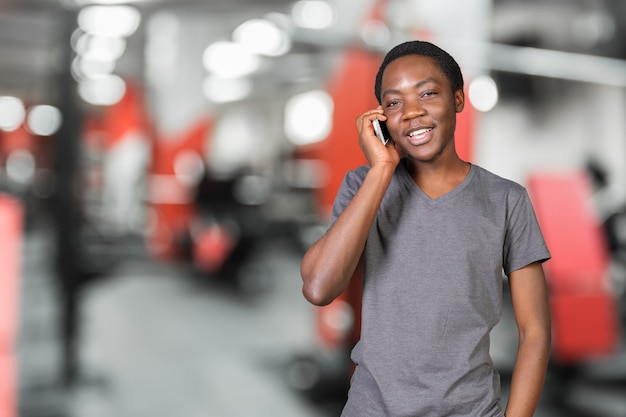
(392, 103)
(429, 93)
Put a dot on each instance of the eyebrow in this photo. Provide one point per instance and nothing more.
(417, 85)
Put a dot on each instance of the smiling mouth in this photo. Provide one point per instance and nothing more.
(420, 132)
(420, 135)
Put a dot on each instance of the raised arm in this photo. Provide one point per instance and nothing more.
(530, 306)
(329, 264)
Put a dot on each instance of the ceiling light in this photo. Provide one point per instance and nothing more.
(230, 60)
(89, 68)
(375, 33)
(224, 90)
(102, 91)
(262, 37)
(21, 166)
(313, 14)
(12, 113)
(82, 3)
(114, 21)
(308, 117)
(483, 93)
(43, 120)
(102, 48)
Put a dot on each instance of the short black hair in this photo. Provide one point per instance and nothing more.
(444, 60)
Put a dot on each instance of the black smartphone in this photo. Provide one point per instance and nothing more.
(380, 128)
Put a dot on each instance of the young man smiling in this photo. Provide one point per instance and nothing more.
(434, 233)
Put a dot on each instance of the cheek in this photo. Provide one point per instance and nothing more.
(394, 126)
(444, 114)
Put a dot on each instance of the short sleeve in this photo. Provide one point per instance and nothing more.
(349, 186)
(524, 242)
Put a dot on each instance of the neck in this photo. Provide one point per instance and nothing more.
(433, 170)
(436, 179)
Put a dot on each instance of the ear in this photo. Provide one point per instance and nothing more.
(459, 100)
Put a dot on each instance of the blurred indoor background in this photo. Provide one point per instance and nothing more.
(165, 163)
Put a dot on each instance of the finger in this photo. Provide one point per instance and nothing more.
(370, 113)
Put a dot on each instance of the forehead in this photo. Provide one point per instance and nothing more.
(414, 67)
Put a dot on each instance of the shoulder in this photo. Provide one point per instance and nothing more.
(496, 184)
(358, 173)
(489, 177)
(354, 178)
(351, 183)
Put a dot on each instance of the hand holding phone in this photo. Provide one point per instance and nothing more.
(380, 128)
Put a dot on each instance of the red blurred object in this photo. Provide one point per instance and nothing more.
(340, 151)
(584, 308)
(172, 200)
(16, 139)
(10, 254)
(126, 118)
(8, 383)
(211, 248)
(585, 327)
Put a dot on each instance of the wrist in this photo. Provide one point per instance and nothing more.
(385, 169)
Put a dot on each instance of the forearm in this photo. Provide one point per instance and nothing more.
(329, 264)
(528, 374)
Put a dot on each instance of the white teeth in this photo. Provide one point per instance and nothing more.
(419, 132)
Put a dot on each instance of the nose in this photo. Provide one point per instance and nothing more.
(413, 109)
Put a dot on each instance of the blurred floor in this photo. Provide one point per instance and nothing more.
(161, 342)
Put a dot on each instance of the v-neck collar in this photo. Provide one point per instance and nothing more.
(406, 178)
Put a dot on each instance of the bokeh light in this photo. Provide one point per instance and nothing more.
(230, 60)
(223, 90)
(83, 68)
(12, 113)
(308, 117)
(43, 120)
(110, 21)
(483, 93)
(103, 91)
(102, 48)
(188, 167)
(20, 166)
(375, 33)
(262, 37)
(313, 14)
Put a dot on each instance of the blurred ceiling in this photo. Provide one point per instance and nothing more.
(33, 34)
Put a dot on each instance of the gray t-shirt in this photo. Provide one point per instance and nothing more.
(432, 292)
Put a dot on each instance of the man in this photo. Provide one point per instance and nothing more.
(434, 233)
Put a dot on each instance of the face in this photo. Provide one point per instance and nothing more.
(420, 106)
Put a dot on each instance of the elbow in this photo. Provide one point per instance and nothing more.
(315, 290)
(321, 284)
(315, 295)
